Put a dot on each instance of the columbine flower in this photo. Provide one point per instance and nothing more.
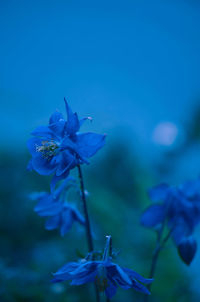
(61, 214)
(179, 208)
(59, 147)
(107, 275)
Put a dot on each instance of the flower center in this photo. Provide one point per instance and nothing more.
(48, 149)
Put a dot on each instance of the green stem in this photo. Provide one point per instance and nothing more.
(87, 222)
(159, 246)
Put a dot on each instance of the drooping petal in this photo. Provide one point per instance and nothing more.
(53, 222)
(56, 179)
(72, 125)
(180, 229)
(63, 273)
(133, 275)
(187, 249)
(116, 274)
(140, 287)
(153, 216)
(66, 221)
(110, 290)
(89, 143)
(158, 193)
(77, 216)
(90, 277)
(48, 207)
(42, 165)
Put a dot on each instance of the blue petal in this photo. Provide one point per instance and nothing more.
(30, 165)
(187, 249)
(53, 222)
(44, 132)
(133, 275)
(191, 189)
(180, 229)
(66, 162)
(66, 221)
(42, 165)
(110, 290)
(56, 117)
(159, 193)
(32, 145)
(116, 274)
(72, 125)
(48, 206)
(64, 272)
(58, 128)
(89, 143)
(85, 268)
(140, 288)
(56, 179)
(77, 216)
(153, 216)
(90, 277)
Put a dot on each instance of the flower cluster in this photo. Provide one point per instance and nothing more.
(178, 208)
(107, 275)
(59, 147)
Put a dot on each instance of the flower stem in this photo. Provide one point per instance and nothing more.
(108, 249)
(159, 246)
(87, 222)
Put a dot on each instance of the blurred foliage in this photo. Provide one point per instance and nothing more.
(116, 183)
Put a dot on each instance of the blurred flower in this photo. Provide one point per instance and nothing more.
(180, 209)
(61, 214)
(59, 147)
(165, 133)
(107, 275)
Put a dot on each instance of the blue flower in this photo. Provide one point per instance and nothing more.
(60, 214)
(179, 208)
(59, 147)
(107, 275)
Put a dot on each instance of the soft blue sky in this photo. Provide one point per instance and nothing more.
(129, 64)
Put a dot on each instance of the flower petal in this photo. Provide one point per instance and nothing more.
(187, 249)
(43, 131)
(158, 193)
(110, 290)
(47, 206)
(133, 275)
(153, 216)
(42, 165)
(116, 274)
(89, 143)
(56, 117)
(66, 221)
(52, 223)
(32, 145)
(140, 288)
(72, 125)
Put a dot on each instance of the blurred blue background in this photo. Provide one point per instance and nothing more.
(134, 67)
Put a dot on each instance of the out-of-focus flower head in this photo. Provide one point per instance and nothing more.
(179, 208)
(107, 275)
(59, 147)
(60, 214)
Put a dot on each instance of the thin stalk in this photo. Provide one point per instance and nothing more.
(87, 222)
(109, 241)
(159, 246)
